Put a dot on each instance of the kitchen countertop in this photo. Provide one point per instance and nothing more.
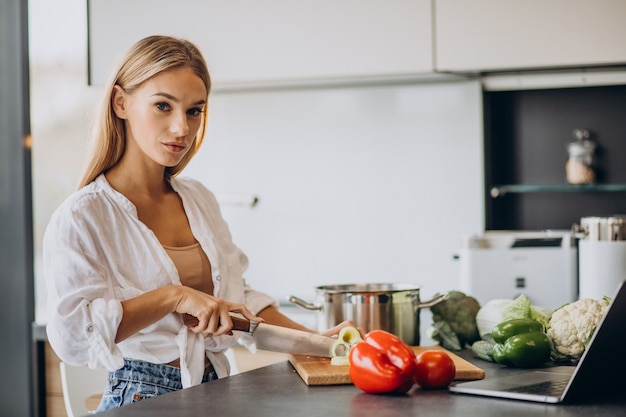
(277, 391)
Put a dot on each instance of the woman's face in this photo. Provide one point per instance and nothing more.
(162, 116)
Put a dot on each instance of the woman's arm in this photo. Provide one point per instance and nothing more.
(211, 313)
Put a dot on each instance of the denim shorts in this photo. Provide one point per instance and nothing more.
(138, 380)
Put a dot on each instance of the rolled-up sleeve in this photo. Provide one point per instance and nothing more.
(83, 314)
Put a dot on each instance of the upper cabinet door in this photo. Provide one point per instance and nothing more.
(272, 41)
(487, 35)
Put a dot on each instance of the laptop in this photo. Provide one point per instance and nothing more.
(599, 371)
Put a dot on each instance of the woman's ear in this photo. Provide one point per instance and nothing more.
(118, 101)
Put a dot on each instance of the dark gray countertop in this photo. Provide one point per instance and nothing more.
(277, 391)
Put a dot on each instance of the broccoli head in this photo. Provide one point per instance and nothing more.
(459, 312)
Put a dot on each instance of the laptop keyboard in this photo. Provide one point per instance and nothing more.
(554, 387)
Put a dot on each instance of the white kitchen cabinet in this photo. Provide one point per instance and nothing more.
(264, 43)
(488, 35)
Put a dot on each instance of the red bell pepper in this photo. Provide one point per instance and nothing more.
(382, 363)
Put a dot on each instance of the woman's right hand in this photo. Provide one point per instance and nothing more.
(206, 314)
(209, 315)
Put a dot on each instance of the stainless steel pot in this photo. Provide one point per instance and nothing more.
(391, 307)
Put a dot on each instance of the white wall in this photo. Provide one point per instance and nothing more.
(368, 184)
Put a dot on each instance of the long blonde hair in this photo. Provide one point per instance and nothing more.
(145, 59)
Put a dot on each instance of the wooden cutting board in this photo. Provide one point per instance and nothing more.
(315, 370)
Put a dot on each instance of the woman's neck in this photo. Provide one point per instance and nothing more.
(136, 182)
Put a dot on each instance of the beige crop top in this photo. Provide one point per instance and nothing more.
(194, 268)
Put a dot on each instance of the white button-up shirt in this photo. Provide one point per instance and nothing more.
(98, 253)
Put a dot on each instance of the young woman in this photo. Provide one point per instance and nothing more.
(141, 270)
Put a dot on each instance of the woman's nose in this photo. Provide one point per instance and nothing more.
(179, 125)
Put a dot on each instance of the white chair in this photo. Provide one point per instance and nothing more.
(80, 383)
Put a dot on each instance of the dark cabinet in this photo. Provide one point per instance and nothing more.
(17, 387)
(526, 138)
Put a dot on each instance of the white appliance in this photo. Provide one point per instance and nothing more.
(504, 264)
(602, 255)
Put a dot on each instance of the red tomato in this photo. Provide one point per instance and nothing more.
(435, 369)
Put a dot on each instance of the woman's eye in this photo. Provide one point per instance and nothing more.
(194, 112)
(163, 106)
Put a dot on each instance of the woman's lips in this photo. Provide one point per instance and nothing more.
(175, 147)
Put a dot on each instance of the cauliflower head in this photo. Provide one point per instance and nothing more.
(571, 326)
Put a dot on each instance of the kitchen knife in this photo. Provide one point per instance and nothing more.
(285, 340)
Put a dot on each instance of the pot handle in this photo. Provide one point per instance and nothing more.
(304, 304)
(435, 300)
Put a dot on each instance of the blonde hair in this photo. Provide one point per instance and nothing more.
(145, 59)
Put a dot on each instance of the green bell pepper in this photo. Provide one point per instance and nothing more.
(521, 343)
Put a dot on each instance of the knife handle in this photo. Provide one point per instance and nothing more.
(240, 324)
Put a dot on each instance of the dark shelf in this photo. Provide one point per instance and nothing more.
(526, 138)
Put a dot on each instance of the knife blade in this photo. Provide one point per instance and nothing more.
(285, 340)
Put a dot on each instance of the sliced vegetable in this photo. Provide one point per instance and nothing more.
(347, 337)
(350, 335)
(382, 363)
(339, 353)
